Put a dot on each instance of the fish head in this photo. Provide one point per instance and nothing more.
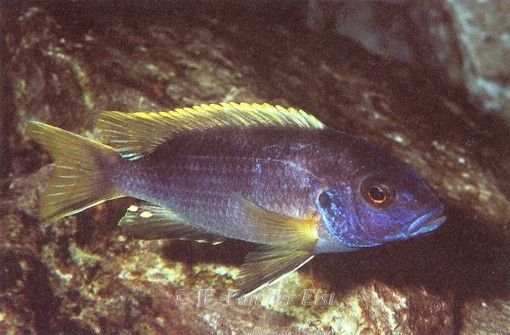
(387, 203)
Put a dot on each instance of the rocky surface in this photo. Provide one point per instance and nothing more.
(464, 41)
(81, 276)
(483, 34)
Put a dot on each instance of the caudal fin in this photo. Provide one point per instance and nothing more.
(78, 180)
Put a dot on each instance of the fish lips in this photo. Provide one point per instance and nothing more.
(427, 222)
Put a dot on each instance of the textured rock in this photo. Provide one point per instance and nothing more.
(383, 27)
(483, 32)
(477, 313)
(465, 41)
(81, 276)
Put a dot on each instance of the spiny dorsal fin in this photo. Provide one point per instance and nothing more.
(150, 222)
(267, 265)
(137, 133)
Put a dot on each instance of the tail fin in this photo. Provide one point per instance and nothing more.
(78, 180)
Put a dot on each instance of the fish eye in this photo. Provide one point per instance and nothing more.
(325, 200)
(378, 195)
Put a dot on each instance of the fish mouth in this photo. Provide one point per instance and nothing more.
(427, 222)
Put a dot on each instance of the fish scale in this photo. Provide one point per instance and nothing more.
(190, 180)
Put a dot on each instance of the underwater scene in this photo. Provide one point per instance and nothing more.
(266, 167)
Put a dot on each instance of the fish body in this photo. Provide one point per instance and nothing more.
(204, 175)
(259, 173)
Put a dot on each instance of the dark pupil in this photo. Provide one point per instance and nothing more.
(376, 193)
(324, 200)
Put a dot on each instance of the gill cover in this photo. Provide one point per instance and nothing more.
(339, 217)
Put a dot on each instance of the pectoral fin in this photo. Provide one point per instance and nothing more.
(289, 244)
(272, 228)
(268, 265)
(151, 222)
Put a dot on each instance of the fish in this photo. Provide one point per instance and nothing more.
(273, 176)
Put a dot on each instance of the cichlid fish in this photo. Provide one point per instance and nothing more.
(265, 174)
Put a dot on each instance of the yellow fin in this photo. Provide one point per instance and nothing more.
(137, 133)
(289, 243)
(267, 265)
(77, 181)
(276, 229)
(150, 222)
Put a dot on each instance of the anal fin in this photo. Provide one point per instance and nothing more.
(150, 222)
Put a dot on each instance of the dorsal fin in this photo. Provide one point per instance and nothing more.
(134, 134)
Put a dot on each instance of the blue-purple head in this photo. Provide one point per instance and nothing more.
(384, 201)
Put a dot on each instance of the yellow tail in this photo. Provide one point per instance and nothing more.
(78, 180)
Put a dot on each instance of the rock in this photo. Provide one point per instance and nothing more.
(478, 312)
(482, 29)
(27, 190)
(383, 27)
(464, 41)
(82, 276)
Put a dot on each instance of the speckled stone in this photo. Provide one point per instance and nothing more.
(464, 41)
